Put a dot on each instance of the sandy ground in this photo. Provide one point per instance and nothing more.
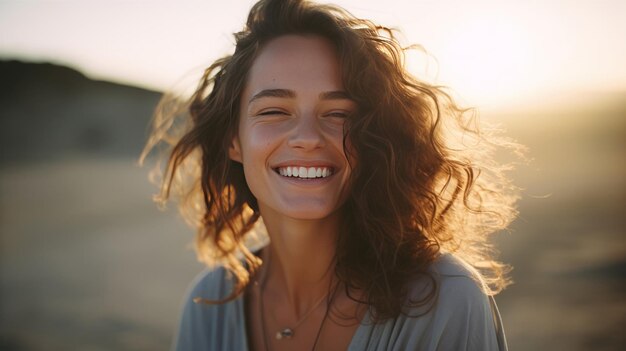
(88, 263)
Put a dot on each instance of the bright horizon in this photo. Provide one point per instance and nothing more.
(489, 52)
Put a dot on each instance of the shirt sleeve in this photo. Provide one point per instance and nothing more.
(463, 318)
(194, 327)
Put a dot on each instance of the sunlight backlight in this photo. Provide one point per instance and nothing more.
(490, 52)
(487, 59)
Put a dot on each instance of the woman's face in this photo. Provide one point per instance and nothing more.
(290, 138)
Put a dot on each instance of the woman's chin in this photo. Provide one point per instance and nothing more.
(308, 211)
(308, 214)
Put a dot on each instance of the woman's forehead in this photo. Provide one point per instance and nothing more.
(296, 61)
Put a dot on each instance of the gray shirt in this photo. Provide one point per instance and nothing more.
(463, 317)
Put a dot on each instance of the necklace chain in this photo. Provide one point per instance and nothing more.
(290, 332)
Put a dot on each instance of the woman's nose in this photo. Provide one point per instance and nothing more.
(306, 134)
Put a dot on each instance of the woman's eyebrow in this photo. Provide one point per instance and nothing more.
(286, 93)
(335, 95)
(281, 93)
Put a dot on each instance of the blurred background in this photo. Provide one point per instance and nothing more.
(88, 262)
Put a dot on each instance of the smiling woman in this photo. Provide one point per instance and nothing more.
(376, 192)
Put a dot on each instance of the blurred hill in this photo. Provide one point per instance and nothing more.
(48, 112)
(576, 141)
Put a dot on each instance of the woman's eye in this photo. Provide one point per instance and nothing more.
(272, 112)
(339, 114)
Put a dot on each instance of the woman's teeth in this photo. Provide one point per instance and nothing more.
(305, 172)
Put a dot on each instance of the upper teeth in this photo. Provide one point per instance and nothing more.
(304, 172)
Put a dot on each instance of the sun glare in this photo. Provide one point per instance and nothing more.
(486, 60)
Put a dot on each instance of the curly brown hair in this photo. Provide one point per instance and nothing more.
(426, 179)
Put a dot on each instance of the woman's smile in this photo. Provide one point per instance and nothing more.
(302, 172)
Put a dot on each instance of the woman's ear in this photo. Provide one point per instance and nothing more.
(234, 151)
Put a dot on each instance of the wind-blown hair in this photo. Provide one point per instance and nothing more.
(424, 182)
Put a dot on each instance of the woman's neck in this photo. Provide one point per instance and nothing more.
(299, 261)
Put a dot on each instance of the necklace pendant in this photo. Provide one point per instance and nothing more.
(286, 333)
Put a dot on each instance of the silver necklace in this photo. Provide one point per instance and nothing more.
(289, 332)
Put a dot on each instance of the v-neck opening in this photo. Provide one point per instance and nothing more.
(243, 308)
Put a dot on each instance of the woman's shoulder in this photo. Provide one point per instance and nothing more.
(460, 288)
(211, 284)
(448, 264)
(456, 278)
(459, 315)
(453, 281)
(201, 318)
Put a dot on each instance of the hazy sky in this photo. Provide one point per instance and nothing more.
(488, 51)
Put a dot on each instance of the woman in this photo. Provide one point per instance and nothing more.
(376, 192)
